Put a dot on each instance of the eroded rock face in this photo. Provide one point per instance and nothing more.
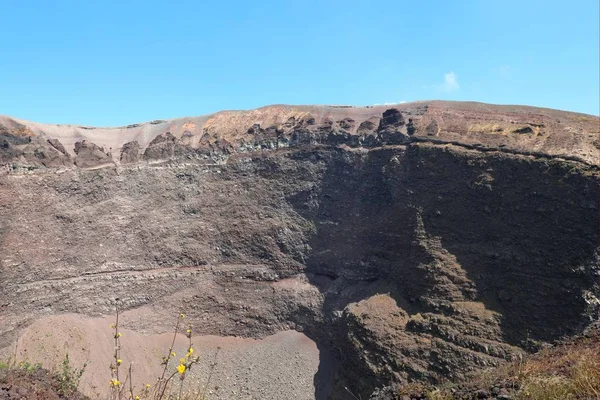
(391, 118)
(407, 256)
(32, 151)
(162, 147)
(130, 152)
(90, 155)
(58, 146)
(448, 256)
(45, 155)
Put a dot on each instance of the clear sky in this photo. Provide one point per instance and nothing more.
(120, 62)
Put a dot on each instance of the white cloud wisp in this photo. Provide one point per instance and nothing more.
(450, 83)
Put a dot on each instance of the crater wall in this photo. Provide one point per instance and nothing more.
(417, 242)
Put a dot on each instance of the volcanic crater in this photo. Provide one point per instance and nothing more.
(327, 250)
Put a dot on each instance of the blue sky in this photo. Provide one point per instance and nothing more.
(119, 62)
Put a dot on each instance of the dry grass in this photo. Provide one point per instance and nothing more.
(485, 128)
(417, 390)
(570, 371)
(565, 372)
(439, 394)
(562, 373)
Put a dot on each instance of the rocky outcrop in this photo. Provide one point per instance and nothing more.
(130, 153)
(47, 156)
(58, 146)
(90, 155)
(556, 371)
(32, 152)
(11, 146)
(391, 118)
(412, 243)
(163, 147)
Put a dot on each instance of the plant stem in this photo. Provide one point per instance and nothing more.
(117, 348)
(162, 377)
(130, 382)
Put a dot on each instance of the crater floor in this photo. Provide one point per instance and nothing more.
(276, 367)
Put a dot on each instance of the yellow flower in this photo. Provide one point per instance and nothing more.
(114, 382)
(190, 352)
(148, 386)
(173, 354)
(189, 331)
(181, 368)
(119, 334)
(137, 397)
(119, 361)
(112, 325)
(182, 315)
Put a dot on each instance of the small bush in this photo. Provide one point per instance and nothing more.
(29, 367)
(68, 377)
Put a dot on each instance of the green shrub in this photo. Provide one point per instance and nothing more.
(69, 377)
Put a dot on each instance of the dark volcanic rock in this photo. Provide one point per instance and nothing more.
(308, 120)
(346, 124)
(90, 155)
(7, 139)
(326, 126)
(130, 152)
(525, 129)
(392, 128)
(162, 147)
(8, 150)
(391, 118)
(432, 129)
(33, 151)
(368, 127)
(254, 129)
(58, 146)
(39, 152)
